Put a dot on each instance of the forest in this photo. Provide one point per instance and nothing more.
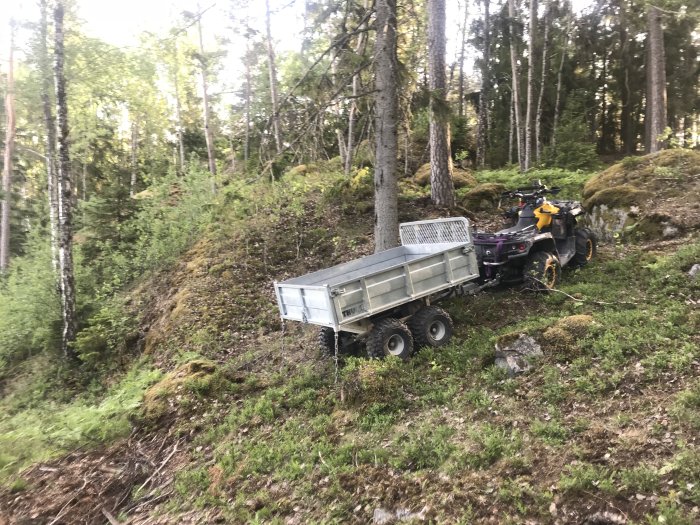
(152, 193)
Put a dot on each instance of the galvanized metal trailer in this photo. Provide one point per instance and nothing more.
(371, 299)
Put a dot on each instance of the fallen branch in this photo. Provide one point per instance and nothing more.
(602, 303)
(165, 461)
(111, 519)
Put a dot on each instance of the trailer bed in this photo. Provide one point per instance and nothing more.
(341, 296)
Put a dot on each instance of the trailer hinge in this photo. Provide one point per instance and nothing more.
(468, 249)
(337, 291)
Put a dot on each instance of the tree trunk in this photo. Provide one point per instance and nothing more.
(461, 59)
(272, 69)
(50, 139)
(65, 195)
(656, 81)
(386, 218)
(555, 122)
(483, 128)
(6, 202)
(530, 82)
(511, 129)
(441, 184)
(248, 95)
(134, 164)
(359, 50)
(543, 78)
(178, 112)
(208, 134)
(515, 82)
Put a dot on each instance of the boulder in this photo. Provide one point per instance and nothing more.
(462, 178)
(516, 354)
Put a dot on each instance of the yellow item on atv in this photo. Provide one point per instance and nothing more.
(544, 215)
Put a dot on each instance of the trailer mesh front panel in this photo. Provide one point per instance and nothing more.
(453, 230)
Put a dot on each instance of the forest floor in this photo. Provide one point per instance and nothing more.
(250, 424)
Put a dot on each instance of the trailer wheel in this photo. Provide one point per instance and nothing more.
(326, 342)
(431, 326)
(390, 337)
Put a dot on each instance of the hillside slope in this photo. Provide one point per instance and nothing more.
(249, 423)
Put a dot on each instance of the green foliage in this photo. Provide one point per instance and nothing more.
(574, 150)
(29, 307)
(33, 434)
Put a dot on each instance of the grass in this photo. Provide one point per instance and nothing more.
(445, 427)
(31, 434)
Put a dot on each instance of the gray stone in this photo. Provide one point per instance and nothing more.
(669, 231)
(385, 517)
(694, 271)
(518, 356)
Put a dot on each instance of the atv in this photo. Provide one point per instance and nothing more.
(543, 239)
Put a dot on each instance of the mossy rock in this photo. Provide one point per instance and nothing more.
(483, 196)
(622, 196)
(565, 334)
(462, 178)
(301, 169)
(363, 156)
(163, 396)
(649, 173)
(646, 197)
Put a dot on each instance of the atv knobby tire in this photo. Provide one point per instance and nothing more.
(431, 326)
(326, 342)
(586, 247)
(390, 337)
(542, 271)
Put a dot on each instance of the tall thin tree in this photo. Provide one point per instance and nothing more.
(208, 133)
(65, 192)
(6, 202)
(515, 82)
(441, 184)
(482, 126)
(543, 78)
(50, 131)
(272, 70)
(530, 82)
(386, 63)
(656, 82)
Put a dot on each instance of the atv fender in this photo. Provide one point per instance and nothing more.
(544, 242)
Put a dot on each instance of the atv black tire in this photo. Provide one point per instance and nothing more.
(542, 271)
(586, 247)
(326, 342)
(390, 337)
(431, 326)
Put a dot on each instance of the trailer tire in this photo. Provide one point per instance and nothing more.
(390, 337)
(586, 247)
(326, 342)
(431, 327)
(542, 271)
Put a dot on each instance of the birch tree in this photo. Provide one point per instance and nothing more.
(65, 194)
(386, 217)
(543, 78)
(50, 132)
(441, 184)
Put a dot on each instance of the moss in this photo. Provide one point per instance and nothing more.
(422, 175)
(301, 169)
(158, 398)
(644, 173)
(565, 334)
(624, 195)
(483, 195)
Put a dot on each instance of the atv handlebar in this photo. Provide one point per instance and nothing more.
(531, 193)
